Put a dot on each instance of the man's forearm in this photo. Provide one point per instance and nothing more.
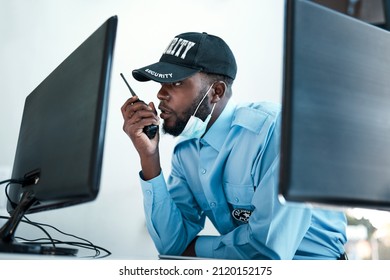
(151, 167)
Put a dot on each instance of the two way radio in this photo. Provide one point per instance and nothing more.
(149, 130)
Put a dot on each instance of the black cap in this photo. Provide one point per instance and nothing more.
(187, 54)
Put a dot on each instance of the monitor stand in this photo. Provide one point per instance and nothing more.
(7, 234)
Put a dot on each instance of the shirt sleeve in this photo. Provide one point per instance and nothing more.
(172, 226)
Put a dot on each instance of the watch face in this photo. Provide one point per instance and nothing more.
(241, 215)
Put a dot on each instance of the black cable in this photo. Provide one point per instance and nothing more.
(20, 181)
(13, 204)
(9, 182)
(44, 241)
(5, 181)
(41, 228)
(86, 244)
(64, 233)
(51, 241)
(12, 181)
(71, 243)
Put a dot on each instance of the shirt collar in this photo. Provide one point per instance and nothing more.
(217, 133)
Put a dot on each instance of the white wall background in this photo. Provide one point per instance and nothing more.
(35, 36)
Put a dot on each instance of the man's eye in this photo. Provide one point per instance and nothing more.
(176, 84)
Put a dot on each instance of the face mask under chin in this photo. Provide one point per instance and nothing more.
(195, 127)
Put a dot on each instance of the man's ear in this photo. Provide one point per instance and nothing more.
(219, 91)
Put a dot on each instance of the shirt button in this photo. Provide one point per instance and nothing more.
(148, 192)
(213, 204)
(236, 199)
(203, 171)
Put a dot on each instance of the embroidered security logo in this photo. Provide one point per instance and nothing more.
(160, 75)
(241, 215)
(179, 47)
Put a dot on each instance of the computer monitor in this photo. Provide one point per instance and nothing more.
(335, 109)
(61, 139)
(375, 12)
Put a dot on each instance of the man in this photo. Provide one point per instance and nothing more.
(224, 166)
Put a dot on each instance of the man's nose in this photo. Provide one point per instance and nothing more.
(163, 93)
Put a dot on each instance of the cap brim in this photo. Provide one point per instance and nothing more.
(163, 72)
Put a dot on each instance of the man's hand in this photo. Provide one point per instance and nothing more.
(137, 115)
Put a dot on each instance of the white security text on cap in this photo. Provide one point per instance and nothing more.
(179, 47)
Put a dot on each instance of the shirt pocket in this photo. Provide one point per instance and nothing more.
(239, 195)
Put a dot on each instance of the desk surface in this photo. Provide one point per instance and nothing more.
(16, 256)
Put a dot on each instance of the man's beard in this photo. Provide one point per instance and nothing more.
(202, 113)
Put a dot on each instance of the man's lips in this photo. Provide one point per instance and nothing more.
(165, 112)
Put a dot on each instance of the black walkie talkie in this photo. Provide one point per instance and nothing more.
(149, 130)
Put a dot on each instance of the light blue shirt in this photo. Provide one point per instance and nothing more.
(235, 166)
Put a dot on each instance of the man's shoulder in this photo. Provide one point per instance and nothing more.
(253, 116)
(272, 109)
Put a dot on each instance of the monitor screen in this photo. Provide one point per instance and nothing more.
(336, 117)
(61, 139)
(371, 11)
